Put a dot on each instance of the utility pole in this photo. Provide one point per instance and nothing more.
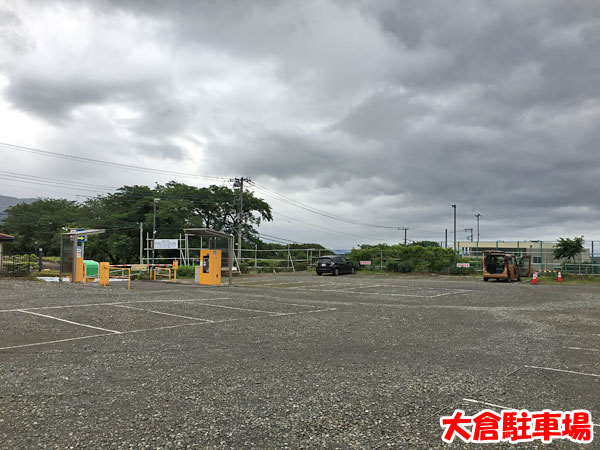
(478, 215)
(469, 237)
(454, 247)
(156, 200)
(141, 243)
(446, 239)
(405, 229)
(239, 183)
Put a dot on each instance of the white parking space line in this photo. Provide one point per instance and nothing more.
(244, 309)
(168, 327)
(279, 283)
(84, 305)
(564, 371)
(584, 349)
(197, 321)
(162, 313)
(261, 297)
(493, 405)
(57, 341)
(68, 321)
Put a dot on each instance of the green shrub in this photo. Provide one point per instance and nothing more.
(244, 267)
(186, 271)
(405, 266)
(300, 266)
(393, 267)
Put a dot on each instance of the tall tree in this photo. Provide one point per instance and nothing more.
(120, 214)
(40, 223)
(568, 248)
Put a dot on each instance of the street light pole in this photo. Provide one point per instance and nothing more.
(156, 200)
(478, 215)
(454, 247)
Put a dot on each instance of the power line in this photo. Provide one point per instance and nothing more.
(328, 229)
(104, 163)
(86, 186)
(278, 238)
(19, 177)
(290, 201)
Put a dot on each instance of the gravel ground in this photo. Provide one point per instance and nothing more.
(287, 361)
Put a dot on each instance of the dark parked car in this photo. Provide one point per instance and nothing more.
(334, 265)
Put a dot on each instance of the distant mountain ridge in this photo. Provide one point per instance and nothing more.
(6, 201)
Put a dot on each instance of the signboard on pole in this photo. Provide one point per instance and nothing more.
(166, 244)
(365, 263)
(79, 238)
(464, 265)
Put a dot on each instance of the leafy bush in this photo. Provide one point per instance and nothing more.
(300, 266)
(405, 266)
(393, 267)
(409, 258)
(186, 271)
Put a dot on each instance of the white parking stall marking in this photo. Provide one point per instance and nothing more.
(564, 371)
(68, 321)
(584, 349)
(493, 405)
(84, 305)
(244, 309)
(36, 344)
(162, 313)
(168, 327)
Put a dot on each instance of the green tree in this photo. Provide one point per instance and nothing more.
(40, 223)
(568, 248)
(181, 206)
(427, 244)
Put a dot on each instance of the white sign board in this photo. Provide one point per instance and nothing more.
(166, 244)
(463, 265)
(365, 263)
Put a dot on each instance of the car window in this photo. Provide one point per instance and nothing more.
(324, 261)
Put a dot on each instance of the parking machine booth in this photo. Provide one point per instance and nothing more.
(209, 271)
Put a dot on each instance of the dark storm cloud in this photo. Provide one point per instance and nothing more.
(385, 109)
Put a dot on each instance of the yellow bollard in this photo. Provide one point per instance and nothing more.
(103, 273)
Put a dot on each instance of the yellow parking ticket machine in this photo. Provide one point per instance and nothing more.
(210, 268)
(78, 271)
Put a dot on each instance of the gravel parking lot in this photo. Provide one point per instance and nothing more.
(294, 360)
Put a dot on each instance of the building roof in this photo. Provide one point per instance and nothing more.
(6, 237)
(206, 232)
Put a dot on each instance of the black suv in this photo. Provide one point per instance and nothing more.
(334, 265)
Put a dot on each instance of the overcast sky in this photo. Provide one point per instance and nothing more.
(385, 112)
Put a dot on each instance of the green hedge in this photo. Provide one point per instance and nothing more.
(410, 258)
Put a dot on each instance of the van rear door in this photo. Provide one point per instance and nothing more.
(525, 266)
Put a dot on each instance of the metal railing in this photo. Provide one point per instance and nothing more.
(17, 264)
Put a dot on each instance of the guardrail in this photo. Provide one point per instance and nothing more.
(123, 277)
(169, 268)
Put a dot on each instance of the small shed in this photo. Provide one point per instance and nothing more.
(4, 238)
(69, 250)
(208, 233)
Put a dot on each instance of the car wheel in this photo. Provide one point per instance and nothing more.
(485, 279)
(336, 272)
(319, 273)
